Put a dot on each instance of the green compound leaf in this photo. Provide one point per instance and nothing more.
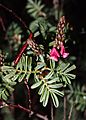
(11, 75)
(47, 89)
(63, 72)
(34, 7)
(21, 71)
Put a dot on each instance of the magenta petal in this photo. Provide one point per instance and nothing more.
(65, 55)
(54, 52)
(62, 52)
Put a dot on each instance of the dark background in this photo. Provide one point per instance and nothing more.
(75, 12)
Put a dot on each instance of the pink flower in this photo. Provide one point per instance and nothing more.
(63, 52)
(54, 54)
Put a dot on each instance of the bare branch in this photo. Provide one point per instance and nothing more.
(26, 110)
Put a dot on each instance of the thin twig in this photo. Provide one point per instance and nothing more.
(70, 113)
(29, 97)
(52, 116)
(26, 110)
(65, 107)
(15, 15)
(2, 24)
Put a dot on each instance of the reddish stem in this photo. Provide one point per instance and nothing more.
(28, 111)
(28, 90)
(22, 51)
(2, 24)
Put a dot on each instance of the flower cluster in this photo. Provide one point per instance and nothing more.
(54, 54)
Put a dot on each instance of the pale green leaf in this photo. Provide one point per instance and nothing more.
(71, 76)
(36, 85)
(46, 99)
(21, 77)
(12, 83)
(59, 85)
(30, 63)
(16, 77)
(52, 64)
(43, 96)
(36, 34)
(41, 58)
(39, 2)
(52, 81)
(6, 68)
(6, 93)
(55, 100)
(19, 65)
(36, 78)
(9, 88)
(29, 52)
(4, 97)
(68, 80)
(31, 10)
(64, 79)
(9, 81)
(26, 64)
(39, 66)
(41, 7)
(10, 75)
(57, 92)
(53, 28)
(41, 89)
(49, 75)
(65, 67)
(28, 76)
(70, 69)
